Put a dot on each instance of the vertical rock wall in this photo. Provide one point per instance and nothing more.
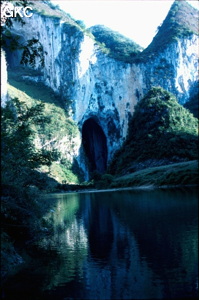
(98, 86)
(4, 96)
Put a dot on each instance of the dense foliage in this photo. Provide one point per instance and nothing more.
(19, 155)
(60, 129)
(20, 207)
(26, 170)
(160, 130)
(193, 104)
(119, 46)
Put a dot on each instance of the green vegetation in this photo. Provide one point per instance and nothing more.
(33, 116)
(29, 91)
(48, 9)
(185, 173)
(193, 105)
(115, 44)
(20, 206)
(103, 181)
(161, 130)
(33, 51)
(181, 21)
(59, 130)
(19, 154)
(36, 125)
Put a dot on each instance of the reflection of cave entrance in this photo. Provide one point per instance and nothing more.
(95, 146)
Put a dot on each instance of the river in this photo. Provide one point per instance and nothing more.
(132, 244)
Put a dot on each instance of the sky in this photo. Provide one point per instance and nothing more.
(137, 20)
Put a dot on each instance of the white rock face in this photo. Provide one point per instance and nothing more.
(100, 87)
(187, 69)
(106, 92)
(4, 96)
(175, 69)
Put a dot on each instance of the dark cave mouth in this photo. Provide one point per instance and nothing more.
(95, 146)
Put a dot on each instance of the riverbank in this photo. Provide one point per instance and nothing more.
(144, 188)
(178, 174)
(167, 176)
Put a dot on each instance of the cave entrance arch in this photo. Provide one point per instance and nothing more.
(95, 145)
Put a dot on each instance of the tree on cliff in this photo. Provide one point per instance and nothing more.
(32, 49)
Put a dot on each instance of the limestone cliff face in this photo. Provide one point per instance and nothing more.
(97, 86)
(105, 92)
(108, 90)
(175, 69)
(3, 79)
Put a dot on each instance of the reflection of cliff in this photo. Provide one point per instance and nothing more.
(68, 239)
(129, 249)
(90, 243)
(115, 270)
(159, 228)
(100, 233)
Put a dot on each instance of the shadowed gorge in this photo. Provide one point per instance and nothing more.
(95, 146)
(103, 238)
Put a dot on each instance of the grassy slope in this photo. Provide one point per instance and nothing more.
(185, 173)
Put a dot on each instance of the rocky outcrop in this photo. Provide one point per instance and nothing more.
(175, 69)
(98, 87)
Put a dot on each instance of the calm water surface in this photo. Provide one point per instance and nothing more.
(116, 245)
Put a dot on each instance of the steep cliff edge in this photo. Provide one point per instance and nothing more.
(91, 85)
(173, 52)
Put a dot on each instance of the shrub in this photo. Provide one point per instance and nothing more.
(105, 181)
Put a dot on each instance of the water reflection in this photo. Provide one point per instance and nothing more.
(121, 245)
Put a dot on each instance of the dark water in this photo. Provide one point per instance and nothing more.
(116, 245)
